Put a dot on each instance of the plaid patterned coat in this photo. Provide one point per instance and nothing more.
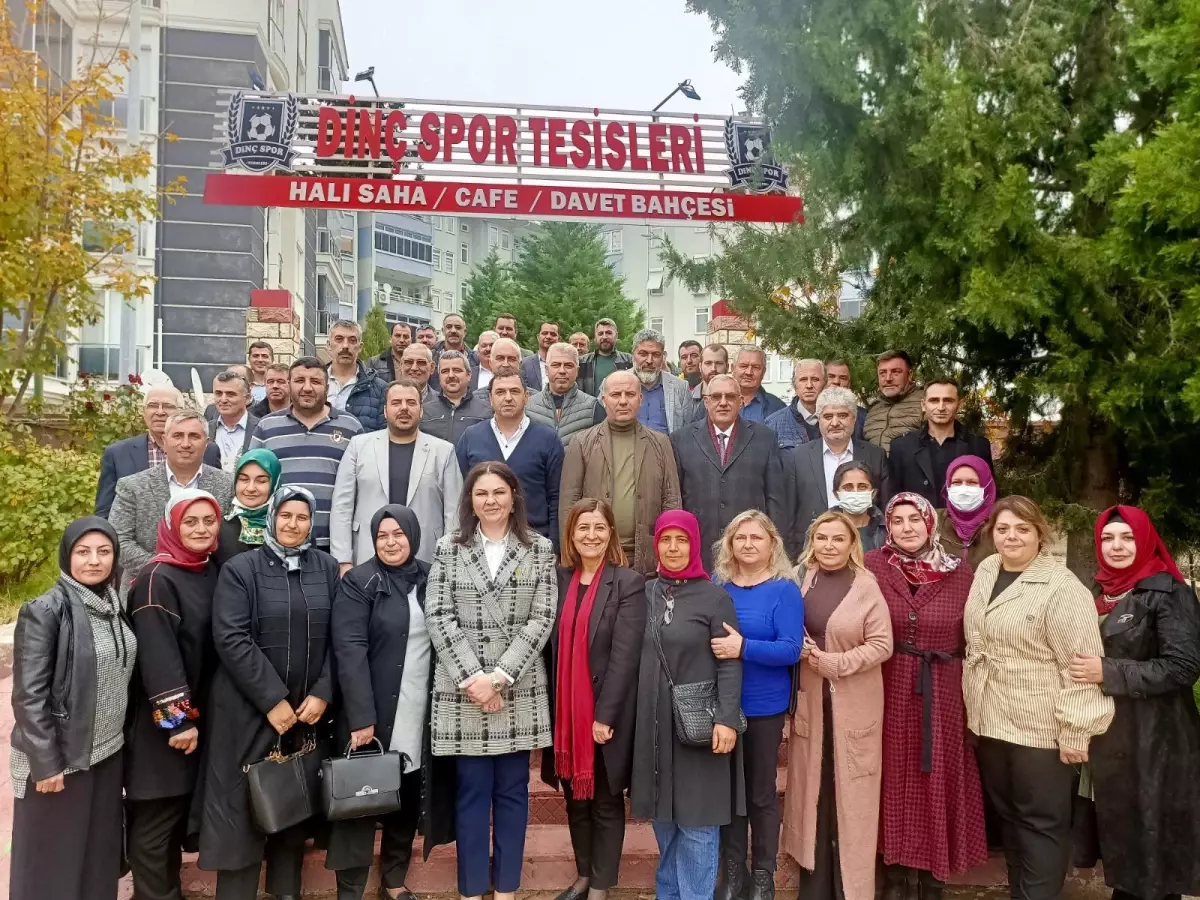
(476, 624)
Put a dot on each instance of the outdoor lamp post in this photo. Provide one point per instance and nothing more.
(684, 87)
(368, 75)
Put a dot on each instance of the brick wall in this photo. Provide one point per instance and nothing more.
(278, 327)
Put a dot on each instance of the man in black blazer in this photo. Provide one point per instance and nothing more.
(728, 465)
(137, 454)
(919, 459)
(814, 462)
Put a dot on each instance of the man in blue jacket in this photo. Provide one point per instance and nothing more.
(353, 386)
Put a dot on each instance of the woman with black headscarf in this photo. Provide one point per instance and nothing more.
(73, 654)
(385, 662)
(271, 620)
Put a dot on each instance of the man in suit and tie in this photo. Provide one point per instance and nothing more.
(234, 426)
(145, 451)
(814, 462)
(533, 368)
(728, 465)
(400, 464)
(141, 499)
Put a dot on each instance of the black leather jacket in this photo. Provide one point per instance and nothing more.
(54, 684)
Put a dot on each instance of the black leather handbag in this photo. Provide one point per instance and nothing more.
(356, 786)
(283, 787)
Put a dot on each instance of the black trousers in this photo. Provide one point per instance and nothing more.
(597, 829)
(824, 882)
(352, 844)
(1030, 789)
(760, 759)
(154, 834)
(284, 854)
(68, 844)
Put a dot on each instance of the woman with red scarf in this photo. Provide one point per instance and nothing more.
(1143, 769)
(594, 653)
(932, 803)
(171, 610)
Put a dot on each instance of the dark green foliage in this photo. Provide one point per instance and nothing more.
(376, 336)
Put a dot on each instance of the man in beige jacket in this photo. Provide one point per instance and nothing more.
(898, 409)
(627, 465)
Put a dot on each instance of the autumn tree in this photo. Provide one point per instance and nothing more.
(1018, 187)
(66, 168)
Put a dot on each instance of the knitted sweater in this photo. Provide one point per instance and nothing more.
(771, 620)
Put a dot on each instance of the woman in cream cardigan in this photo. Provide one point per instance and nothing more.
(831, 809)
(1027, 616)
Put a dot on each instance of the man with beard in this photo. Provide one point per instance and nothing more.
(666, 400)
(533, 368)
(449, 413)
(596, 366)
(727, 465)
(562, 405)
(689, 362)
(898, 409)
(143, 451)
(279, 394)
(714, 361)
(533, 451)
(309, 438)
(798, 423)
(388, 364)
(353, 386)
(400, 465)
(814, 462)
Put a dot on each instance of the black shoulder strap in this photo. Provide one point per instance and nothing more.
(653, 620)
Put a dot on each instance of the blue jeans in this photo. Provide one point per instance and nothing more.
(687, 861)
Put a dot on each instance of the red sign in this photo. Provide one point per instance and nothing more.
(469, 198)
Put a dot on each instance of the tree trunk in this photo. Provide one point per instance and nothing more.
(1093, 479)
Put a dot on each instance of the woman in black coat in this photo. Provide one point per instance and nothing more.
(596, 645)
(171, 610)
(1144, 768)
(271, 621)
(255, 477)
(385, 666)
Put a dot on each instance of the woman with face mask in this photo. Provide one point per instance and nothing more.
(170, 606)
(932, 822)
(255, 477)
(274, 680)
(73, 654)
(1143, 768)
(856, 494)
(970, 495)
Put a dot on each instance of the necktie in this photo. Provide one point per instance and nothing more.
(723, 439)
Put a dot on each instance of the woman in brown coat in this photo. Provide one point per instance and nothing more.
(831, 812)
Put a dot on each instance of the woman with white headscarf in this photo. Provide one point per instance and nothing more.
(271, 627)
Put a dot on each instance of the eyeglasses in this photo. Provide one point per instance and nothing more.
(161, 407)
(670, 611)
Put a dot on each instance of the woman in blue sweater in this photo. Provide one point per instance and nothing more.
(753, 567)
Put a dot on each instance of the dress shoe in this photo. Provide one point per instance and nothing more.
(733, 880)
(928, 887)
(572, 894)
(762, 885)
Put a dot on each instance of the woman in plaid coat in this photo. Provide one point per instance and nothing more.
(490, 606)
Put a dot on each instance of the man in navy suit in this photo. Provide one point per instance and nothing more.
(137, 454)
(533, 368)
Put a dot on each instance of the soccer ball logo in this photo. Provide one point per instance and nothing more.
(260, 128)
(754, 148)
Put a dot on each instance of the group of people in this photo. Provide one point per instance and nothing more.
(654, 585)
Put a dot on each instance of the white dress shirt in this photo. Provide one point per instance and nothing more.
(339, 392)
(831, 461)
(174, 485)
(485, 377)
(231, 440)
(509, 444)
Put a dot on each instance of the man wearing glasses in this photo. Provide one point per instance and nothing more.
(137, 454)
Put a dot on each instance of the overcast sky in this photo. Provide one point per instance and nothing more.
(625, 54)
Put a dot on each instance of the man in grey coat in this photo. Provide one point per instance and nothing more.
(666, 400)
(814, 462)
(562, 405)
(728, 465)
(141, 499)
(397, 465)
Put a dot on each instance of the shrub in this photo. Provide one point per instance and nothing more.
(42, 490)
(99, 414)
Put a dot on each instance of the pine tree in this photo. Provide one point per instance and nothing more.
(376, 334)
(488, 290)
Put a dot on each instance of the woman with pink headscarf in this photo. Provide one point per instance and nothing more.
(970, 494)
(688, 792)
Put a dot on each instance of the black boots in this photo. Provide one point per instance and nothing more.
(928, 887)
(897, 884)
(731, 882)
(762, 885)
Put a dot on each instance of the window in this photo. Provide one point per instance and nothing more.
(437, 260)
(325, 61)
(301, 50)
(614, 241)
(657, 235)
(701, 320)
(448, 261)
(785, 369)
(275, 13)
(654, 284)
(464, 254)
(466, 229)
(701, 289)
(324, 241)
(506, 240)
(449, 301)
(437, 299)
(656, 324)
(493, 236)
(400, 242)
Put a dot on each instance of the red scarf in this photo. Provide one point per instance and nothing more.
(1150, 557)
(169, 547)
(575, 703)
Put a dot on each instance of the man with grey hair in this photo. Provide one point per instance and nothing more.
(353, 386)
(506, 360)
(481, 361)
(417, 365)
(141, 499)
(234, 426)
(749, 369)
(797, 423)
(562, 405)
(143, 451)
(814, 462)
(666, 400)
(727, 465)
(594, 367)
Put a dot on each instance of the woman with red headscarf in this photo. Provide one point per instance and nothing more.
(1143, 769)
(171, 610)
(688, 791)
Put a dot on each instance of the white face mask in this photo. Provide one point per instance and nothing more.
(965, 497)
(855, 502)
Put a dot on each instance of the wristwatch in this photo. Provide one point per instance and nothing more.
(497, 682)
